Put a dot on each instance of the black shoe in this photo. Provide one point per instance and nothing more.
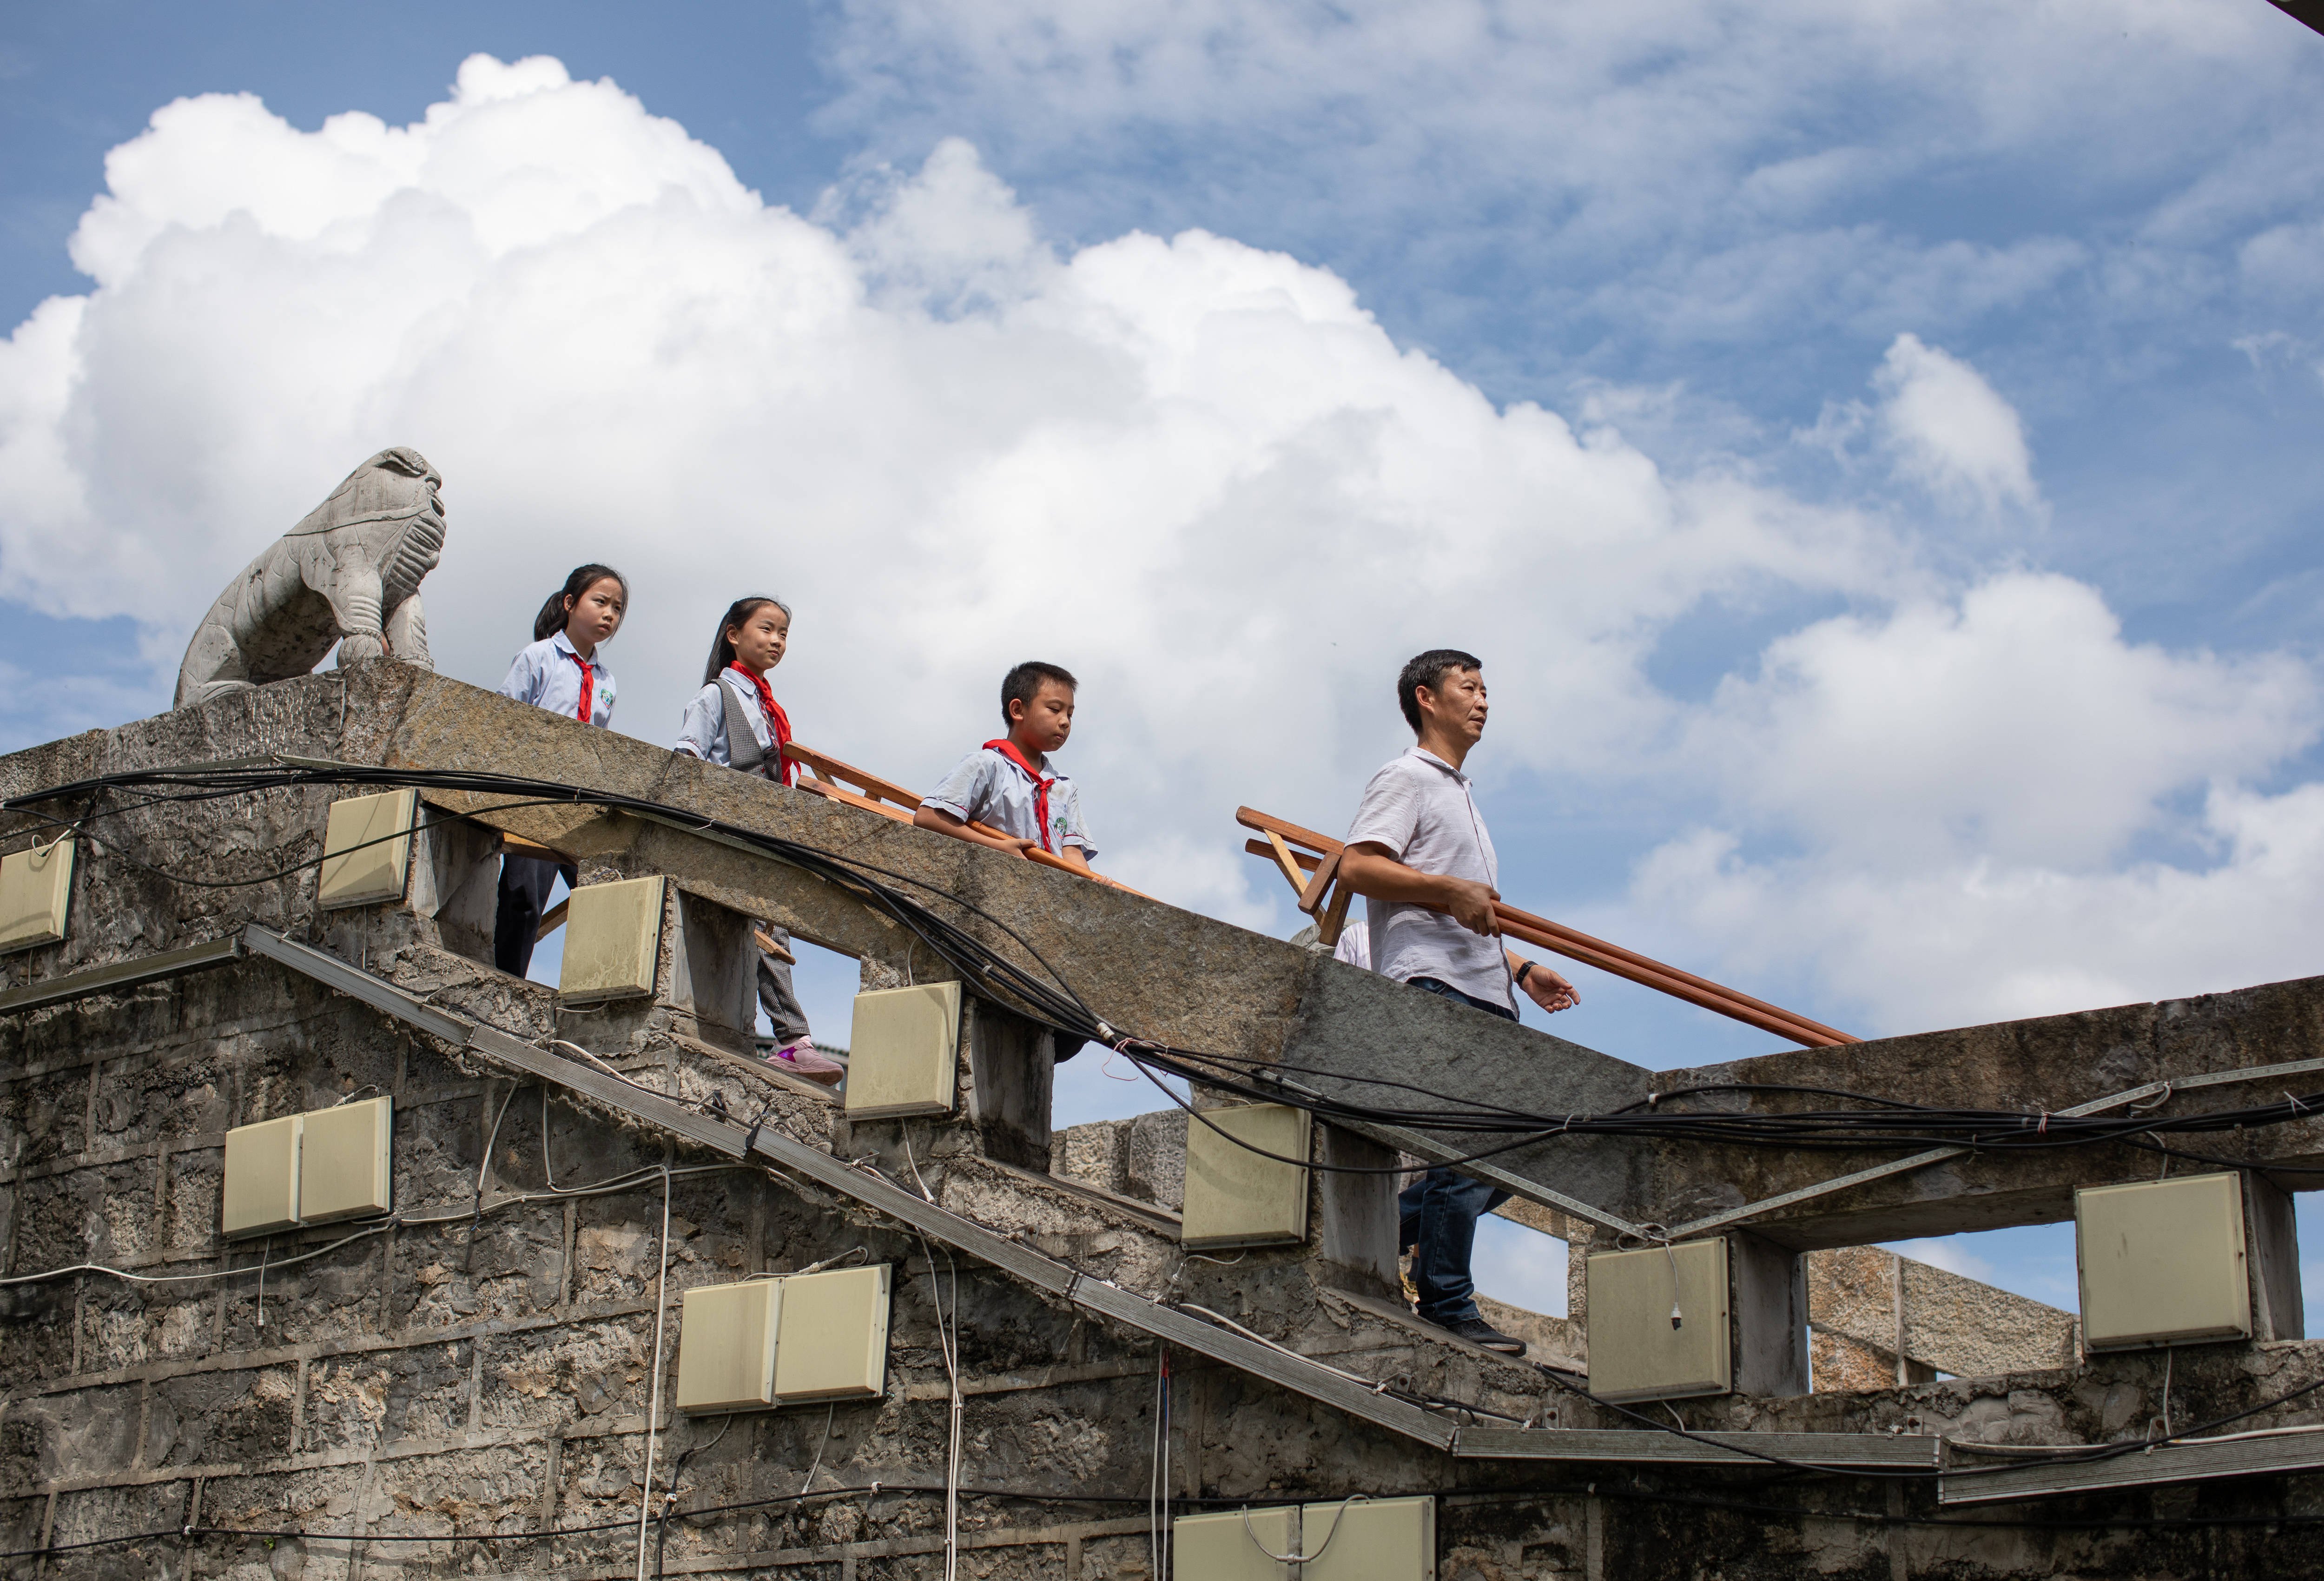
(1477, 1331)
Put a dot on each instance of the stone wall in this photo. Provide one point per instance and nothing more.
(466, 1390)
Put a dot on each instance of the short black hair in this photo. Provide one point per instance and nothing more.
(1024, 684)
(1428, 669)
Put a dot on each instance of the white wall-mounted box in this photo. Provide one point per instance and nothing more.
(2163, 1262)
(903, 1053)
(1233, 1545)
(785, 1341)
(326, 1164)
(1369, 1540)
(1634, 1353)
(367, 849)
(832, 1338)
(1235, 1197)
(35, 895)
(613, 940)
(345, 1160)
(726, 1346)
(262, 1176)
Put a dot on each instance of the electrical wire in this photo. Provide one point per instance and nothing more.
(379, 1228)
(1043, 995)
(547, 1173)
(947, 1346)
(483, 1169)
(1595, 1489)
(653, 1408)
(1299, 1558)
(1154, 1464)
(1409, 1396)
(669, 1499)
(1878, 1124)
(821, 1439)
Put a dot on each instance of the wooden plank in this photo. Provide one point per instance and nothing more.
(1283, 859)
(552, 919)
(1335, 918)
(1613, 958)
(1311, 899)
(882, 793)
(1512, 917)
(840, 793)
(518, 845)
(1251, 818)
(869, 784)
(768, 944)
(1677, 988)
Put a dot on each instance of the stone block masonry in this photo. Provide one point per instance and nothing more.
(484, 1376)
(468, 1388)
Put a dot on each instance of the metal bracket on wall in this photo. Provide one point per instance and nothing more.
(1750, 1210)
(873, 1191)
(120, 975)
(1099, 1296)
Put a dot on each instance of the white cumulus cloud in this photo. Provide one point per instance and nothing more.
(1993, 805)
(1707, 173)
(1951, 430)
(2014, 722)
(1199, 474)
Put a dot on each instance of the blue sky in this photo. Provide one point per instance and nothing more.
(1876, 455)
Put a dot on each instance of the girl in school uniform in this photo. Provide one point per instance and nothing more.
(563, 672)
(736, 722)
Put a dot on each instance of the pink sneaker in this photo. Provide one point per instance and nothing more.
(799, 1059)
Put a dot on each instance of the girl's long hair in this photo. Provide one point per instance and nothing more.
(554, 614)
(721, 651)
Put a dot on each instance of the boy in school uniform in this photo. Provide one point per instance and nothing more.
(1011, 786)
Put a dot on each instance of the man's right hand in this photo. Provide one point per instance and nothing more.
(1367, 869)
(1471, 901)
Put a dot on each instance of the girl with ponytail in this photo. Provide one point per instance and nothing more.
(736, 722)
(563, 671)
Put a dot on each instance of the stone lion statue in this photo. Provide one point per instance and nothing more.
(348, 573)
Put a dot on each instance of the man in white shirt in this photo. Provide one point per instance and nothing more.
(1419, 854)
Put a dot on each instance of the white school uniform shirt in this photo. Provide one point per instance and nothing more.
(548, 675)
(702, 728)
(988, 789)
(1419, 807)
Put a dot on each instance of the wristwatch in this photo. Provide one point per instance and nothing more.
(1523, 968)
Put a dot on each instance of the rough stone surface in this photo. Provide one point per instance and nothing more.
(484, 1368)
(1144, 1156)
(1948, 1324)
(348, 573)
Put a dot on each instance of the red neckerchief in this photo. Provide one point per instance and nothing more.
(1007, 749)
(778, 724)
(588, 685)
